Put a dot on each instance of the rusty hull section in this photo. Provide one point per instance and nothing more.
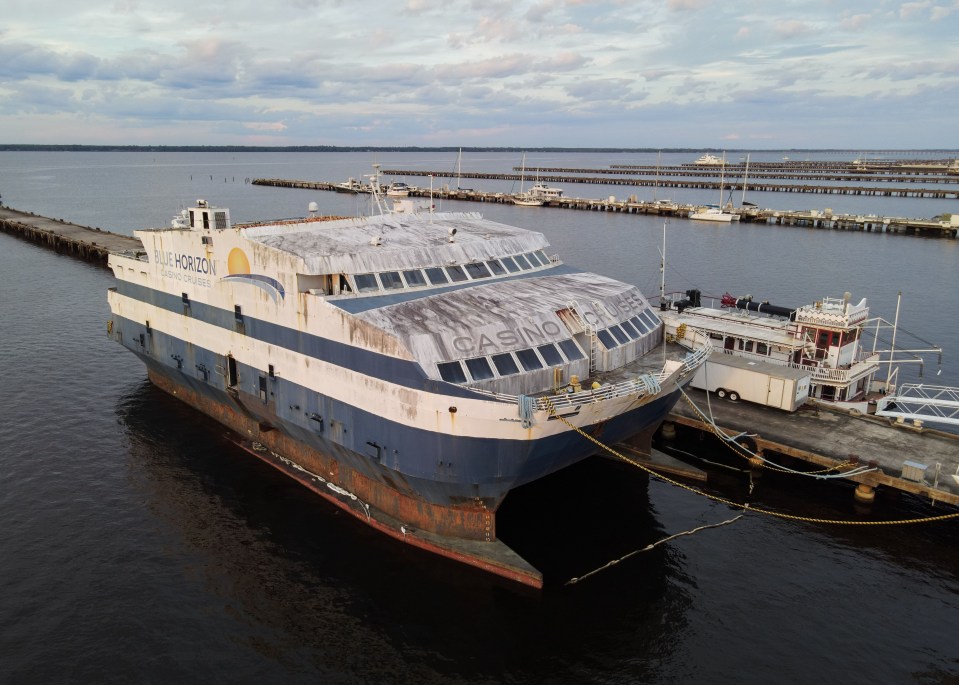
(465, 533)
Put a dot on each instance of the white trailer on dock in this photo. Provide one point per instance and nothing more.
(771, 385)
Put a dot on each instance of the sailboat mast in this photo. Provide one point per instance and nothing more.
(722, 180)
(745, 176)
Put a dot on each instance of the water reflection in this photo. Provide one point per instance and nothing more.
(303, 585)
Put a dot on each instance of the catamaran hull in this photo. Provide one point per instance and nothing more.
(453, 522)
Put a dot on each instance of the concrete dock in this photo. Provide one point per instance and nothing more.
(91, 244)
(917, 460)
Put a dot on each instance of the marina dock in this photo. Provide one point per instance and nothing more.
(824, 219)
(91, 244)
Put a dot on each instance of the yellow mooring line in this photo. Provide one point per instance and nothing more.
(737, 505)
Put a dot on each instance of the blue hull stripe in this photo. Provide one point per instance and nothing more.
(435, 466)
(383, 367)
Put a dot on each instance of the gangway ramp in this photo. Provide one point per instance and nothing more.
(920, 402)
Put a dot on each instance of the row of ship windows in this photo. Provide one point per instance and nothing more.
(542, 356)
(508, 363)
(633, 329)
(440, 275)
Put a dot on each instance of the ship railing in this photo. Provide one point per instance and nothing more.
(857, 370)
(638, 386)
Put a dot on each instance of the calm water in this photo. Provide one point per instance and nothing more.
(138, 545)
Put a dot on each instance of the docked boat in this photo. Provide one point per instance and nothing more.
(398, 189)
(709, 160)
(823, 339)
(412, 367)
(350, 185)
(538, 194)
(718, 212)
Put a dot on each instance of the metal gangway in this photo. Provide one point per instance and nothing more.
(920, 402)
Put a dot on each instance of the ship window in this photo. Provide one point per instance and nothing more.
(533, 259)
(640, 325)
(762, 348)
(366, 283)
(456, 273)
(650, 318)
(550, 354)
(529, 360)
(237, 312)
(617, 332)
(510, 264)
(496, 267)
(391, 280)
(606, 338)
(206, 219)
(571, 350)
(437, 276)
(220, 219)
(630, 329)
(186, 299)
(477, 270)
(523, 263)
(505, 364)
(414, 278)
(543, 258)
(479, 368)
(451, 372)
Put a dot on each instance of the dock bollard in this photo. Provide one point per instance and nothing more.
(865, 493)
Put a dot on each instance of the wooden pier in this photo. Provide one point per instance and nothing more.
(824, 219)
(91, 244)
(820, 437)
(697, 181)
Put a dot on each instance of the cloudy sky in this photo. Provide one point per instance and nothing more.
(766, 74)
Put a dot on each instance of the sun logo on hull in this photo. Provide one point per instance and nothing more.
(238, 266)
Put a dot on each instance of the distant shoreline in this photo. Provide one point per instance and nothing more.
(19, 147)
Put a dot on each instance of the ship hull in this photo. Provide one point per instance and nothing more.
(458, 527)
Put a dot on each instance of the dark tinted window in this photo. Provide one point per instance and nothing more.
(505, 364)
(570, 349)
(630, 329)
(456, 273)
(452, 372)
(366, 282)
(543, 258)
(550, 354)
(477, 270)
(391, 280)
(617, 332)
(414, 278)
(640, 325)
(496, 267)
(436, 276)
(479, 368)
(529, 360)
(606, 338)
(522, 261)
(533, 258)
(510, 264)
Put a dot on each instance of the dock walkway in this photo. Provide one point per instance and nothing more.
(824, 437)
(87, 243)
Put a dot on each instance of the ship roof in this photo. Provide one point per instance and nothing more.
(393, 241)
